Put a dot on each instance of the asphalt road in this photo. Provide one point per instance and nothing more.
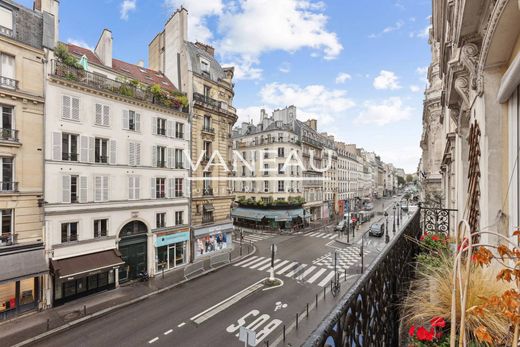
(303, 262)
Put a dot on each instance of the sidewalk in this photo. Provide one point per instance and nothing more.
(32, 324)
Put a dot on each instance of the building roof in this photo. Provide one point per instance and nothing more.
(216, 71)
(142, 74)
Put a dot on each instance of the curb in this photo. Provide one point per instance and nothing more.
(124, 304)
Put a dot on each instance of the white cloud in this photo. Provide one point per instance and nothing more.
(244, 70)
(127, 6)
(398, 25)
(415, 88)
(285, 67)
(388, 111)
(81, 43)
(423, 33)
(386, 80)
(198, 12)
(342, 77)
(246, 114)
(406, 157)
(422, 71)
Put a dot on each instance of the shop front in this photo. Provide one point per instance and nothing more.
(171, 249)
(84, 275)
(268, 219)
(133, 245)
(20, 280)
(213, 239)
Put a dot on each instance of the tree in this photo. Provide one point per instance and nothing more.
(400, 181)
(409, 178)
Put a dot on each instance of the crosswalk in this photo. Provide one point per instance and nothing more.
(252, 238)
(345, 258)
(291, 269)
(322, 235)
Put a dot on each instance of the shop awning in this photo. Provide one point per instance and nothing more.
(247, 213)
(86, 264)
(22, 264)
(208, 207)
(259, 214)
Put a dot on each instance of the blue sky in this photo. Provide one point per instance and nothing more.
(359, 67)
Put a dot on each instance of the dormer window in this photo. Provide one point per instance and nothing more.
(204, 65)
(6, 21)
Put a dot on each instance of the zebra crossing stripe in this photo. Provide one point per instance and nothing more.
(246, 261)
(287, 268)
(268, 260)
(281, 264)
(326, 280)
(307, 272)
(316, 275)
(268, 265)
(313, 233)
(333, 236)
(252, 262)
(295, 271)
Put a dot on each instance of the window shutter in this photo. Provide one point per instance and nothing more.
(154, 156)
(66, 108)
(106, 115)
(137, 154)
(83, 149)
(83, 191)
(56, 146)
(137, 122)
(91, 149)
(169, 128)
(97, 188)
(105, 188)
(131, 153)
(184, 159)
(113, 150)
(126, 124)
(154, 125)
(131, 187)
(99, 114)
(75, 109)
(171, 188)
(137, 187)
(65, 188)
(153, 188)
(171, 158)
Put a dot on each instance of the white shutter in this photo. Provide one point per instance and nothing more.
(83, 188)
(153, 188)
(137, 187)
(154, 125)
(137, 122)
(83, 149)
(113, 150)
(65, 188)
(154, 156)
(131, 153)
(66, 107)
(184, 159)
(171, 188)
(171, 157)
(170, 128)
(75, 109)
(105, 188)
(137, 154)
(99, 114)
(91, 149)
(126, 124)
(106, 115)
(97, 188)
(56, 146)
(131, 185)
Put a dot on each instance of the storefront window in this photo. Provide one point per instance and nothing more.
(171, 255)
(7, 296)
(27, 294)
(179, 253)
(69, 288)
(82, 285)
(92, 282)
(212, 243)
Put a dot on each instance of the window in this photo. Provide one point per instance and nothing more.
(70, 108)
(161, 126)
(207, 190)
(7, 175)
(100, 228)
(134, 154)
(266, 186)
(101, 188)
(243, 170)
(207, 214)
(159, 156)
(7, 131)
(6, 21)
(207, 123)
(179, 159)
(281, 186)
(178, 187)
(102, 115)
(281, 152)
(134, 183)
(179, 220)
(207, 150)
(160, 189)
(179, 130)
(7, 236)
(280, 169)
(266, 167)
(7, 70)
(131, 120)
(160, 220)
(69, 232)
(204, 65)
(74, 189)
(101, 151)
(207, 92)
(69, 146)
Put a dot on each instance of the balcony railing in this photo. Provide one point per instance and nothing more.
(179, 135)
(219, 105)
(8, 186)
(207, 129)
(6, 31)
(7, 82)
(380, 289)
(9, 134)
(207, 191)
(179, 165)
(103, 83)
(209, 219)
(103, 159)
(161, 163)
(69, 156)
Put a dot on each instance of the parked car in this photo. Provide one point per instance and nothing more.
(377, 229)
(340, 225)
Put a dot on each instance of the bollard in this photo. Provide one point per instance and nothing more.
(48, 324)
(307, 310)
(324, 293)
(345, 274)
(84, 310)
(267, 343)
(296, 320)
(331, 285)
(284, 333)
(316, 301)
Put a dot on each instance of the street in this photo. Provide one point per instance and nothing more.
(208, 311)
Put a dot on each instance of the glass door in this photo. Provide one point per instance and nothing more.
(179, 253)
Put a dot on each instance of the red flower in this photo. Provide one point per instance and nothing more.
(435, 238)
(425, 335)
(411, 332)
(438, 322)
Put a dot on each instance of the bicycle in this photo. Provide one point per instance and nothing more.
(336, 286)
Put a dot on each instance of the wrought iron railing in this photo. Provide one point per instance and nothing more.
(206, 100)
(207, 191)
(9, 134)
(207, 129)
(7, 82)
(8, 186)
(368, 314)
(436, 219)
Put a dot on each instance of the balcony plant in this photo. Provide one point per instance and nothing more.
(70, 68)
(167, 98)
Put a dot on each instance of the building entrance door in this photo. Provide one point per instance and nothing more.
(133, 248)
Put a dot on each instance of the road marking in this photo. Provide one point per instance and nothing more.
(280, 265)
(316, 275)
(312, 234)
(268, 260)
(246, 261)
(326, 280)
(307, 272)
(287, 268)
(295, 271)
(181, 325)
(153, 340)
(252, 262)
(333, 236)
(268, 265)
(168, 332)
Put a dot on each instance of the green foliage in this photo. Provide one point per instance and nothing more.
(62, 53)
(409, 178)
(400, 180)
(126, 90)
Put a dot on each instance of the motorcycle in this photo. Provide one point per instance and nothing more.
(143, 276)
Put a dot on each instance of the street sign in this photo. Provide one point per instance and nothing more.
(274, 248)
(247, 336)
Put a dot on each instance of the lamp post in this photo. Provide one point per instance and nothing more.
(393, 226)
(398, 208)
(387, 238)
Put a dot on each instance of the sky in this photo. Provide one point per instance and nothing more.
(358, 67)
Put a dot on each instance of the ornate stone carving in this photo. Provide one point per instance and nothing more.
(469, 57)
(462, 87)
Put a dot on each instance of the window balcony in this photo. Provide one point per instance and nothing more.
(179, 165)
(6, 82)
(207, 129)
(9, 135)
(161, 163)
(179, 135)
(208, 219)
(208, 102)
(7, 239)
(69, 156)
(103, 159)
(6, 31)
(8, 186)
(207, 191)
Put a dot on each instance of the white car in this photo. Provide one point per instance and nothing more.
(340, 225)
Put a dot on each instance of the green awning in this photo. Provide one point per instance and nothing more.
(259, 214)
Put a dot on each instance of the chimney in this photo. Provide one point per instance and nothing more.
(209, 49)
(51, 7)
(140, 63)
(314, 124)
(104, 48)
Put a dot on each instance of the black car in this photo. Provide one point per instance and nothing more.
(377, 229)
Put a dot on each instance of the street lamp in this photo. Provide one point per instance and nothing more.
(393, 227)
(398, 208)
(387, 238)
